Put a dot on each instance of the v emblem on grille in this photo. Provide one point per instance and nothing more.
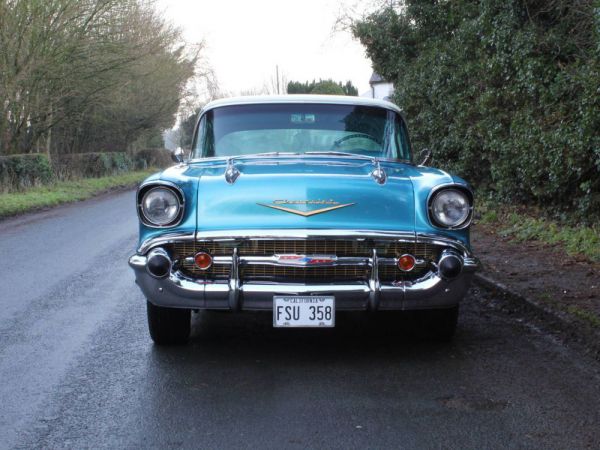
(306, 213)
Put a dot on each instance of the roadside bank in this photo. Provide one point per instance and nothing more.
(61, 192)
(542, 280)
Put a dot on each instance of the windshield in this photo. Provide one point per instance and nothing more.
(301, 128)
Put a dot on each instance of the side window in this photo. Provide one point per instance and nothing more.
(204, 145)
(198, 150)
(404, 143)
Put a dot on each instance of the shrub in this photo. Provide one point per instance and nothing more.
(18, 172)
(505, 93)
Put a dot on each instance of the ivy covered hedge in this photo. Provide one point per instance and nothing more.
(20, 172)
(506, 94)
(90, 165)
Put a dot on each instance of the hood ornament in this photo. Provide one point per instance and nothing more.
(231, 172)
(378, 173)
(276, 205)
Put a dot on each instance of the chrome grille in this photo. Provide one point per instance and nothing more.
(269, 247)
(304, 247)
(300, 274)
(339, 247)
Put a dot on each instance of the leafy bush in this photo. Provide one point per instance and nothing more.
(18, 172)
(505, 93)
(21, 172)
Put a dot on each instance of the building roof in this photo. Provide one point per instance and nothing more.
(376, 78)
(301, 98)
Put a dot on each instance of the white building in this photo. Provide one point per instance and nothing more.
(380, 88)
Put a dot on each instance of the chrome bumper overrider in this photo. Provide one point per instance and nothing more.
(431, 291)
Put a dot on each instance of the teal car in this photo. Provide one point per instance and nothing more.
(302, 206)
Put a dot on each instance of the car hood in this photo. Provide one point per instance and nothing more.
(304, 194)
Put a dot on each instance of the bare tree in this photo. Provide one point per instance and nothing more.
(81, 73)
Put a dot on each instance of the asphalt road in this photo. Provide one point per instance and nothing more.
(78, 370)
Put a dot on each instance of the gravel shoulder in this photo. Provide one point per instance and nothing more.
(562, 291)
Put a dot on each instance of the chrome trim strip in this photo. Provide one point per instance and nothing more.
(230, 235)
(233, 235)
(138, 262)
(292, 158)
(341, 261)
(434, 239)
(164, 239)
(470, 264)
(234, 283)
(394, 262)
(374, 285)
(274, 261)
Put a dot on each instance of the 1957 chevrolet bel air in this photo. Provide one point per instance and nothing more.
(303, 206)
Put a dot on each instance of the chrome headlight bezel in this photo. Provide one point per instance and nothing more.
(172, 188)
(462, 190)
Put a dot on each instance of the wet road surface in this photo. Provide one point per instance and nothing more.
(78, 369)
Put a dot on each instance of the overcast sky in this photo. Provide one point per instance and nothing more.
(245, 40)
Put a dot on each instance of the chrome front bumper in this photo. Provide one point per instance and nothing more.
(429, 292)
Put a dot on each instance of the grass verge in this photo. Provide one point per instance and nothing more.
(65, 192)
(576, 240)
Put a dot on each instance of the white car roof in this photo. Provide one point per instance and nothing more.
(301, 98)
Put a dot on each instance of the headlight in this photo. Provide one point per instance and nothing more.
(450, 208)
(160, 206)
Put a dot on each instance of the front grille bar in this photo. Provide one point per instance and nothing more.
(297, 260)
(234, 282)
(273, 261)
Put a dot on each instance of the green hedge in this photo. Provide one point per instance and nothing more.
(18, 172)
(91, 165)
(506, 94)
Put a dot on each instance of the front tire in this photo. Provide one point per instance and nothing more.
(168, 326)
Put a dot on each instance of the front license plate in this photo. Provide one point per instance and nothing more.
(304, 311)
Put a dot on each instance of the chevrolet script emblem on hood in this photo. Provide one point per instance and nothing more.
(302, 210)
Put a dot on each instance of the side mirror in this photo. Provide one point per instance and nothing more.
(425, 156)
(178, 155)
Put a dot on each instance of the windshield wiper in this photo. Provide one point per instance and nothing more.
(232, 173)
(263, 155)
(354, 155)
(378, 173)
(334, 153)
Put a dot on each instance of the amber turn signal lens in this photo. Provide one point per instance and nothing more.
(203, 260)
(406, 263)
